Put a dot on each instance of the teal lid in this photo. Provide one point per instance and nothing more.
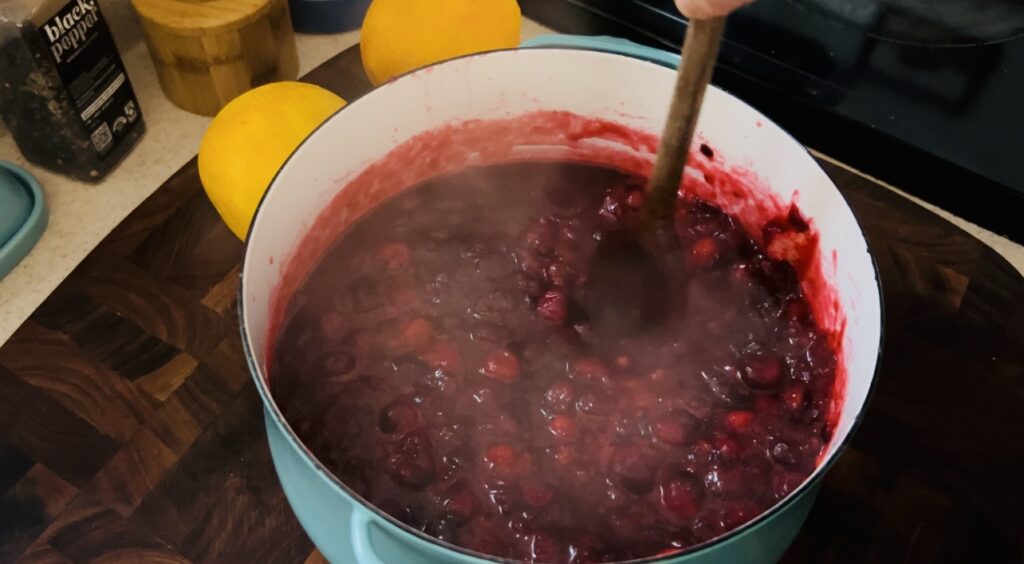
(22, 215)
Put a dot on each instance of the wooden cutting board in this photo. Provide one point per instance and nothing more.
(129, 428)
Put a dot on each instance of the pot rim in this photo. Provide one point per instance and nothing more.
(270, 404)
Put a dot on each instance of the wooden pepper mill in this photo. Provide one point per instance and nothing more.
(206, 52)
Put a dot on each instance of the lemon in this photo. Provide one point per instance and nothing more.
(249, 140)
(401, 35)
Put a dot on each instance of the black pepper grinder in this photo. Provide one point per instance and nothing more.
(65, 96)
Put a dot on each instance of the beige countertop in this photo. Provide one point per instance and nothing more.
(81, 215)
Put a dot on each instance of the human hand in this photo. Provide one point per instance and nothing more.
(704, 9)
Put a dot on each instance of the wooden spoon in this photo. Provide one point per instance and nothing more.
(627, 289)
(700, 51)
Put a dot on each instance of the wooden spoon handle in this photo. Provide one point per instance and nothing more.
(700, 51)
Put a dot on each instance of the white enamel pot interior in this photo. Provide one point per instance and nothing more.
(507, 84)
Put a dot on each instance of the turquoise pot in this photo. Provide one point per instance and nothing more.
(348, 531)
(346, 528)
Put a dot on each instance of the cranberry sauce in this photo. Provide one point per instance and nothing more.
(438, 363)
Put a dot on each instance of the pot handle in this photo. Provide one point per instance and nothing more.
(608, 45)
(362, 546)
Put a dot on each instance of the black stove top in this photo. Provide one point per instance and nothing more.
(927, 95)
(936, 23)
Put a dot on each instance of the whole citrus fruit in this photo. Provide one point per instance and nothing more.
(401, 35)
(249, 140)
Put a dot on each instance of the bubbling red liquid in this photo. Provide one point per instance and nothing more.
(436, 360)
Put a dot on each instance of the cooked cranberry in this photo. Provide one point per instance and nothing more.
(393, 256)
(417, 333)
(585, 548)
(459, 458)
(560, 396)
(629, 426)
(553, 307)
(708, 220)
(546, 548)
(442, 354)
(502, 366)
(559, 274)
(403, 298)
(727, 448)
(570, 230)
(583, 329)
(537, 495)
(333, 325)
(502, 498)
(531, 263)
(763, 372)
(400, 416)
(785, 483)
(725, 384)
(591, 404)
(563, 427)
(339, 363)
(495, 306)
(795, 398)
(611, 212)
(778, 277)
(484, 395)
(739, 421)
(521, 522)
(589, 369)
(498, 424)
(796, 310)
(459, 503)
(367, 298)
(635, 524)
(564, 455)
(676, 429)
(616, 497)
(411, 464)
(766, 404)
(439, 380)
(643, 399)
(821, 355)
(698, 405)
(683, 496)
(740, 275)
(502, 459)
(782, 454)
(485, 332)
(704, 253)
(635, 199)
(567, 250)
(539, 237)
(634, 468)
(736, 514)
(728, 483)
(703, 450)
